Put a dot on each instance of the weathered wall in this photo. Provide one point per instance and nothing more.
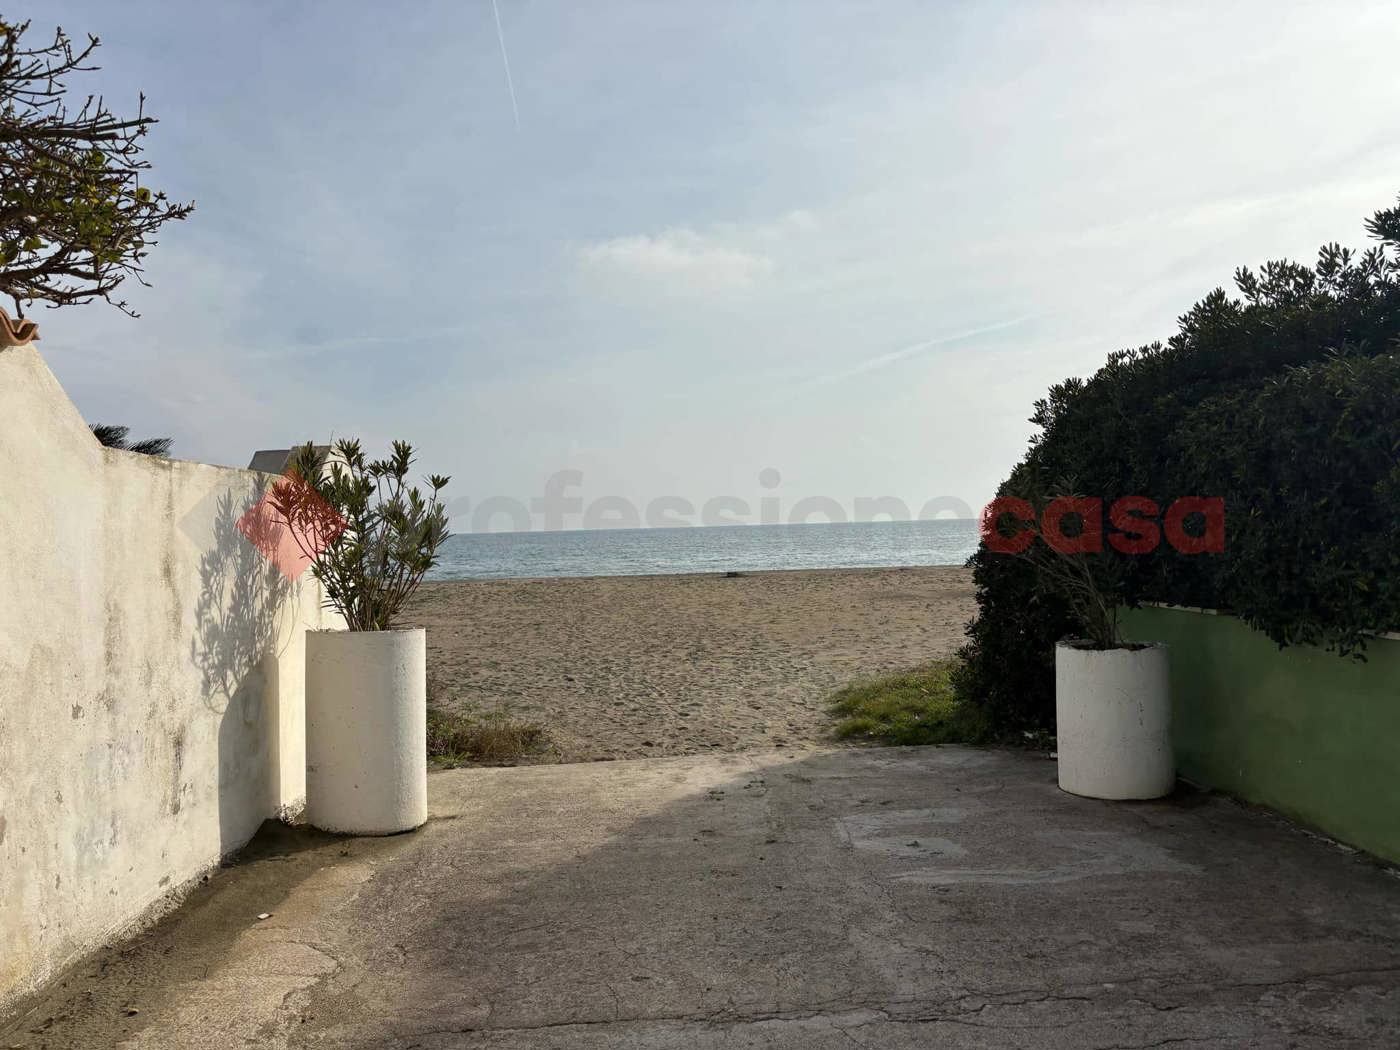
(151, 677)
(1300, 730)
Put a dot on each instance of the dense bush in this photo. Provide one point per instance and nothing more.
(1310, 468)
(1285, 402)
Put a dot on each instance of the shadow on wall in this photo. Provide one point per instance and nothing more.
(235, 647)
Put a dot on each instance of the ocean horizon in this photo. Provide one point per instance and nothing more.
(705, 549)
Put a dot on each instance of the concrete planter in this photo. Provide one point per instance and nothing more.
(1113, 722)
(366, 731)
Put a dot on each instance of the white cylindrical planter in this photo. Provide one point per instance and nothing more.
(1113, 722)
(366, 731)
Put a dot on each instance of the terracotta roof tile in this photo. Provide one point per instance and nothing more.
(16, 333)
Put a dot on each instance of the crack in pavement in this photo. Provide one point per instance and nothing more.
(861, 1015)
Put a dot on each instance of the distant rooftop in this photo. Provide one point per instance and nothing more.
(275, 460)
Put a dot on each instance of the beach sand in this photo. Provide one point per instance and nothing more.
(639, 666)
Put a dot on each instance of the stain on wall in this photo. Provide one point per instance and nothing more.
(134, 611)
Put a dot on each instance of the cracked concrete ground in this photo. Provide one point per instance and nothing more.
(884, 898)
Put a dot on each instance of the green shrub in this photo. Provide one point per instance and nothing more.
(371, 535)
(916, 707)
(1007, 667)
(1310, 463)
(1284, 402)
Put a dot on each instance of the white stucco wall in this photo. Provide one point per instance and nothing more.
(151, 678)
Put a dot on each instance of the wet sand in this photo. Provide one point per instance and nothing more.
(639, 666)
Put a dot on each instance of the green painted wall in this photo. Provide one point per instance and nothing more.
(1303, 731)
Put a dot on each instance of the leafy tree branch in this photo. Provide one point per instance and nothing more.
(75, 219)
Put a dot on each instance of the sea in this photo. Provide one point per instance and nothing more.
(705, 549)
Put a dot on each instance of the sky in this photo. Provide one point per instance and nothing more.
(680, 247)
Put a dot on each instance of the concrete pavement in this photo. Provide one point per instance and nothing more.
(886, 898)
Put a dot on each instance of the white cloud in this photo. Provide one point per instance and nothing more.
(679, 260)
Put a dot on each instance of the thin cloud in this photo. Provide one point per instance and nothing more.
(681, 260)
(878, 361)
(310, 348)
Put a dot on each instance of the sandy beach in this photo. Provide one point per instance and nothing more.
(638, 666)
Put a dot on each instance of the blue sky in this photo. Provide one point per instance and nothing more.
(851, 242)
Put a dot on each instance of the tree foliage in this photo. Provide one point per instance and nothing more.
(113, 436)
(1283, 400)
(75, 219)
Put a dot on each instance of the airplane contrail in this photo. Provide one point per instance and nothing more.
(870, 364)
(505, 60)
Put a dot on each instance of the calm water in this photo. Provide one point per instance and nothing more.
(633, 552)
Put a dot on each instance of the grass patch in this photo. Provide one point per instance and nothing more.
(493, 739)
(914, 707)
